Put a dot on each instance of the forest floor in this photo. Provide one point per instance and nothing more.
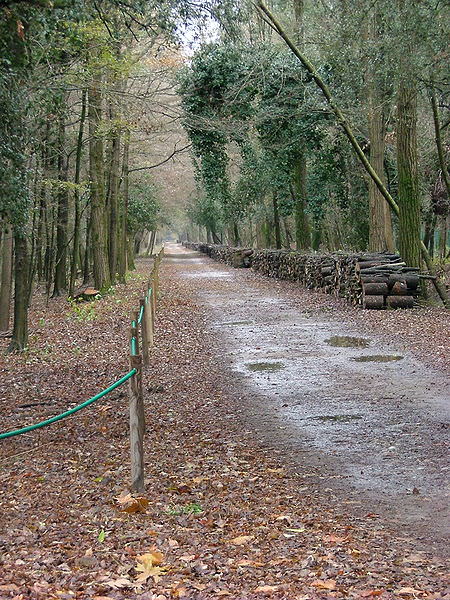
(252, 491)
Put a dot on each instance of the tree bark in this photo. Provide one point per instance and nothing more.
(408, 183)
(114, 216)
(19, 339)
(77, 220)
(62, 219)
(438, 139)
(381, 237)
(276, 222)
(302, 228)
(102, 279)
(122, 263)
(6, 279)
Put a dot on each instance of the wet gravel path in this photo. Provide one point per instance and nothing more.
(368, 418)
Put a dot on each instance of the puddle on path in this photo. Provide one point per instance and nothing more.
(346, 341)
(234, 323)
(337, 418)
(271, 367)
(209, 275)
(380, 358)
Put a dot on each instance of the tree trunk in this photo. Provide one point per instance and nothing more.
(381, 238)
(276, 222)
(151, 244)
(6, 279)
(236, 237)
(408, 184)
(98, 236)
(77, 221)
(122, 263)
(443, 234)
(302, 229)
(87, 253)
(60, 283)
(130, 252)
(114, 216)
(19, 339)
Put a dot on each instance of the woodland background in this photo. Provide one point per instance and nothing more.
(123, 122)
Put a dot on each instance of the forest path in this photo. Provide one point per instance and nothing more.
(369, 420)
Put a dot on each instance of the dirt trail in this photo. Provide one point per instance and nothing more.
(371, 421)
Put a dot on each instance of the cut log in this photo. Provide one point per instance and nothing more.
(88, 293)
(375, 302)
(400, 301)
(375, 278)
(375, 289)
(411, 279)
(399, 288)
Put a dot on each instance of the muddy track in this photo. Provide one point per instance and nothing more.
(370, 420)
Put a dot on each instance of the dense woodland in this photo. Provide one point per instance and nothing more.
(310, 126)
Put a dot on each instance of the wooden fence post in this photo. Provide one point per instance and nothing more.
(137, 425)
(144, 333)
(153, 297)
(148, 315)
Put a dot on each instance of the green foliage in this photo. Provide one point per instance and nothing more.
(193, 508)
(84, 311)
(143, 206)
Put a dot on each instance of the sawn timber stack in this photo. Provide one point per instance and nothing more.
(370, 280)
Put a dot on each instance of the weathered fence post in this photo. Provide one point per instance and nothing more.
(144, 333)
(153, 298)
(148, 316)
(137, 417)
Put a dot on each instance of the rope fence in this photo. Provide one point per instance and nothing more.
(141, 337)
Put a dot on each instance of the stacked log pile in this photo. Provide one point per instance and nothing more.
(376, 280)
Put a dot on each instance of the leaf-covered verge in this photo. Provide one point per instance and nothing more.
(222, 516)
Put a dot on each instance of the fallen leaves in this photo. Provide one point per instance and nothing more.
(329, 584)
(241, 540)
(260, 530)
(266, 589)
(132, 504)
(148, 565)
(409, 591)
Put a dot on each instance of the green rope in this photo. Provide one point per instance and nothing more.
(72, 410)
(141, 314)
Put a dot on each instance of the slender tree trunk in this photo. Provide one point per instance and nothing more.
(130, 252)
(236, 237)
(6, 279)
(408, 184)
(60, 284)
(77, 221)
(122, 263)
(102, 279)
(302, 229)
(151, 243)
(19, 339)
(276, 222)
(288, 233)
(443, 234)
(87, 254)
(114, 184)
(438, 139)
